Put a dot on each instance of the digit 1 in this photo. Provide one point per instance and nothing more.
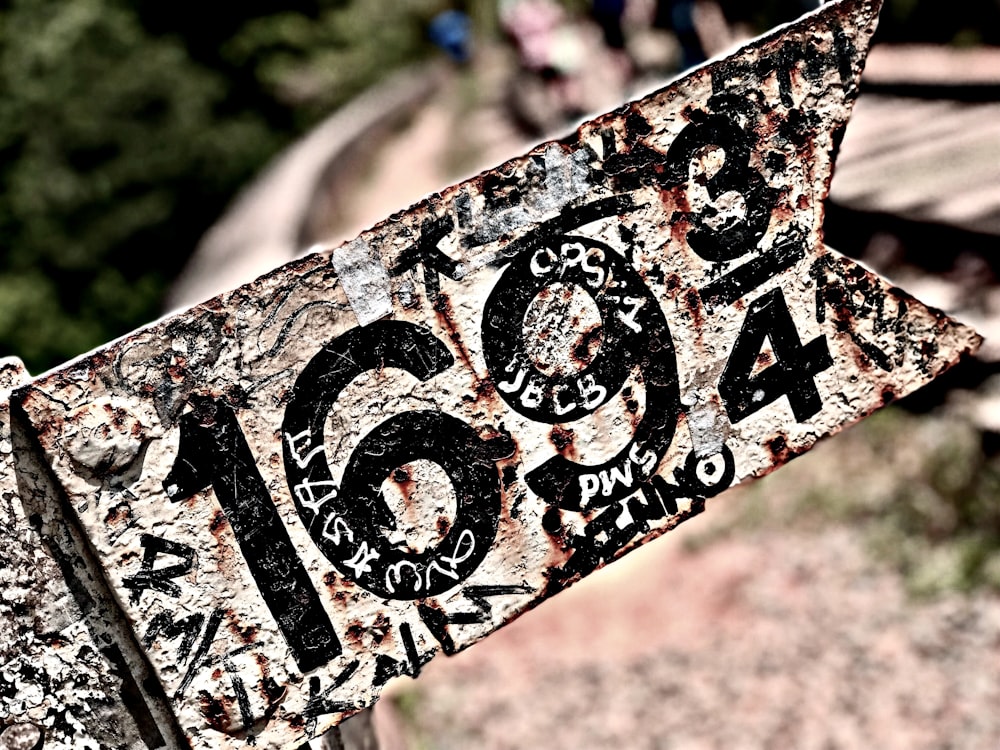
(792, 374)
(213, 452)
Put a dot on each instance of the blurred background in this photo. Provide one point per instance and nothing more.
(153, 154)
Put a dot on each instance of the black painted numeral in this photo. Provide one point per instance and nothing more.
(712, 235)
(213, 452)
(346, 520)
(745, 392)
(633, 333)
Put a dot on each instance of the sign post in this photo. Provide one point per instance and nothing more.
(311, 485)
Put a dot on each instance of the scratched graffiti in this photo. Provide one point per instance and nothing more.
(313, 484)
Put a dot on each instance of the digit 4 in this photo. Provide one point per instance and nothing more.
(792, 374)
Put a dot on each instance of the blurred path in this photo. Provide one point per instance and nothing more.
(466, 128)
(924, 141)
(462, 130)
(271, 221)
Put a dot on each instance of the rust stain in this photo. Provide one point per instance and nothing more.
(508, 476)
(446, 316)
(562, 439)
(177, 372)
(381, 629)
(219, 524)
(780, 452)
(340, 588)
(559, 548)
(226, 556)
(777, 446)
(692, 302)
(128, 557)
(674, 282)
(354, 634)
(628, 398)
(783, 211)
(443, 526)
(675, 200)
(587, 346)
(404, 481)
(119, 515)
(216, 711)
(263, 663)
(245, 633)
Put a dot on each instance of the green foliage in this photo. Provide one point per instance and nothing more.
(410, 706)
(939, 522)
(125, 128)
(315, 64)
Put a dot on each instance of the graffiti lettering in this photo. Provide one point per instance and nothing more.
(164, 625)
(159, 579)
(437, 621)
(611, 530)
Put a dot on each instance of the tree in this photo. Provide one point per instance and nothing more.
(125, 128)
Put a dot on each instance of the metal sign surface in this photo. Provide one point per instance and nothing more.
(313, 484)
(65, 681)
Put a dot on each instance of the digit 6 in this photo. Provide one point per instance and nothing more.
(345, 521)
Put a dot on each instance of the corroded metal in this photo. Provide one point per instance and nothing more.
(306, 487)
(65, 680)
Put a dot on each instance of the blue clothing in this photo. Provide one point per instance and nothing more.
(451, 30)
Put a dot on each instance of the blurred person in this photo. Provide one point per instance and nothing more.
(757, 17)
(678, 16)
(550, 48)
(531, 25)
(608, 14)
(451, 30)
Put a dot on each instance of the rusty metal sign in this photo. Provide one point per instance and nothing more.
(304, 488)
(66, 679)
